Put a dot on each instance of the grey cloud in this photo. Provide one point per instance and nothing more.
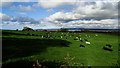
(52, 3)
(87, 10)
(18, 19)
(4, 4)
(5, 17)
(112, 23)
(22, 8)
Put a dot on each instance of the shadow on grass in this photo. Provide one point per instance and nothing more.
(17, 47)
(10, 33)
(29, 64)
(18, 64)
(52, 64)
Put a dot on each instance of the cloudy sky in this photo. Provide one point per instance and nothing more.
(47, 14)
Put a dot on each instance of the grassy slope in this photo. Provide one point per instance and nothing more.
(49, 50)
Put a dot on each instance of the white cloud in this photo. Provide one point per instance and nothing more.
(17, 25)
(15, 0)
(22, 13)
(22, 8)
(93, 10)
(111, 23)
(60, 16)
(104, 14)
(98, 11)
(57, 3)
(50, 10)
(49, 3)
(54, 0)
(9, 2)
(5, 4)
(52, 3)
(5, 17)
(101, 14)
(20, 19)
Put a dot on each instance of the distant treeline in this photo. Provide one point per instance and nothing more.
(111, 31)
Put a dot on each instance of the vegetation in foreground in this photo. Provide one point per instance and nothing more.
(55, 49)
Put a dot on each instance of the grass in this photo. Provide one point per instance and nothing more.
(22, 50)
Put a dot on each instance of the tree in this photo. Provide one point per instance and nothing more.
(17, 30)
(27, 29)
(63, 30)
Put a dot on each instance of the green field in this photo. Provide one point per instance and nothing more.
(23, 48)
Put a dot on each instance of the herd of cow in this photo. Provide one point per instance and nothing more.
(49, 35)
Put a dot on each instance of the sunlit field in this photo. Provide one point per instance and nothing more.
(54, 49)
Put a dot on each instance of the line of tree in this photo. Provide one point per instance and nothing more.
(63, 30)
(30, 29)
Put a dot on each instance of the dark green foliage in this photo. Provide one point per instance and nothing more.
(16, 29)
(27, 29)
(63, 30)
(44, 30)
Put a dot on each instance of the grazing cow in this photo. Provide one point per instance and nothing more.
(89, 36)
(42, 36)
(85, 39)
(87, 42)
(82, 46)
(81, 40)
(61, 36)
(96, 35)
(109, 45)
(77, 38)
(67, 35)
(32, 34)
(35, 35)
(108, 49)
(48, 36)
(86, 35)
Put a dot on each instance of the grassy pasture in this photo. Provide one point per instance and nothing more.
(20, 48)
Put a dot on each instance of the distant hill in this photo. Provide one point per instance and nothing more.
(80, 29)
